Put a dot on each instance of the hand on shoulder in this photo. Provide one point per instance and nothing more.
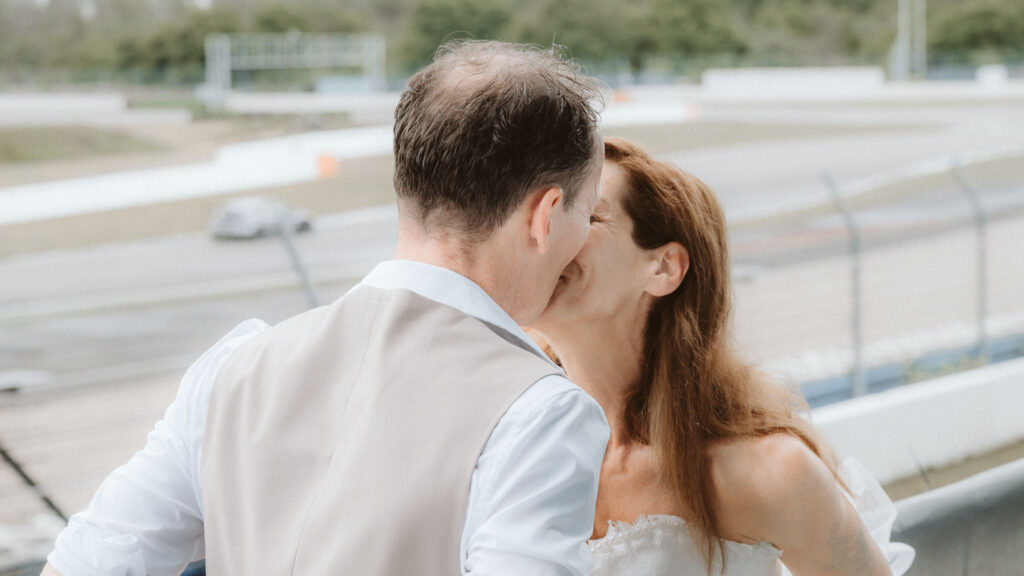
(775, 489)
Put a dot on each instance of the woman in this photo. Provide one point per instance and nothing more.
(708, 469)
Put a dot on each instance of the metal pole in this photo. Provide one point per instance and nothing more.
(920, 39)
(859, 387)
(901, 57)
(284, 228)
(981, 228)
(218, 69)
(381, 66)
(31, 483)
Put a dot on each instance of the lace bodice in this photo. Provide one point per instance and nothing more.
(660, 545)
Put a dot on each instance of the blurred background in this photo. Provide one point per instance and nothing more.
(169, 168)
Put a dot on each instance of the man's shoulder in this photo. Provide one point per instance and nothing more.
(555, 399)
(203, 371)
(552, 389)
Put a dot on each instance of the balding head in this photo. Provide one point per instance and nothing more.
(484, 125)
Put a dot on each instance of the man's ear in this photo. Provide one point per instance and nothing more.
(669, 265)
(542, 208)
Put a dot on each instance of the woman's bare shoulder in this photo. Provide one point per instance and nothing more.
(763, 464)
(756, 478)
(775, 489)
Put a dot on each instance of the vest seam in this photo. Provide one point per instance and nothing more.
(334, 451)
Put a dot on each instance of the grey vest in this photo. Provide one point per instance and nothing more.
(343, 440)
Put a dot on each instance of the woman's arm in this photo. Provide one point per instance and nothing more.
(775, 489)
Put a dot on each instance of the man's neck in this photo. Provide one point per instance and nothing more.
(482, 262)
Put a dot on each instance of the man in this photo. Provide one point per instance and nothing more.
(410, 427)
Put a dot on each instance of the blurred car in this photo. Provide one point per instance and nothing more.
(255, 216)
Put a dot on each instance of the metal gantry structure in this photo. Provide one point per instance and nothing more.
(909, 57)
(227, 53)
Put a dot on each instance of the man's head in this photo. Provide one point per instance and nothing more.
(490, 130)
(486, 124)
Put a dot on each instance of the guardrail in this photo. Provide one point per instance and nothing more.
(929, 425)
(974, 527)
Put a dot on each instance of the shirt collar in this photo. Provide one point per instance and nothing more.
(449, 288)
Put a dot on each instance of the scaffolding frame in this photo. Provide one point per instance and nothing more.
(227, 53)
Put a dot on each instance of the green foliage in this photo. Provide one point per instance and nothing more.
(696, 27)
(787, 31)
(592, 31)
(791, 16)
(277, 18)
(162, 40)
(280, 18)
(978, 31)
(175, 51)
(431, 22)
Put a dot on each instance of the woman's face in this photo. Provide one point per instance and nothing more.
(606, 280)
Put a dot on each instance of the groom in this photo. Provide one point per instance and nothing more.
(410, 427)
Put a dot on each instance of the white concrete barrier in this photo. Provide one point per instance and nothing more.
(29, 109)
(930, 424)
(992, 76)
(793, 83)
(237, 167)
(365, 108)
(43, 109)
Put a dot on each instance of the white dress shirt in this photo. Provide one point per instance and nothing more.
(531, 501)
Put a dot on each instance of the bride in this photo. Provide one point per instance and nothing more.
(710, 468)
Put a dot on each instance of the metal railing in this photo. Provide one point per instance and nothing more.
(979, 215)
(974, 527)
(942, 199)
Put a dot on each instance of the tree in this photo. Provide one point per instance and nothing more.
(693, 28)
(307, 17)
(176, 50)
(280, 18)
(592, 30)
(976, 31)
(434, 21)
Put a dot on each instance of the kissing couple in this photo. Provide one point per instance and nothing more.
(414, 427)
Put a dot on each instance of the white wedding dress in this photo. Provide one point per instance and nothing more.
(660, 545)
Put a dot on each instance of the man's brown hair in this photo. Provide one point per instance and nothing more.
(485, 124)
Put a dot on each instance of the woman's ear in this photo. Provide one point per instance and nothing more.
(671, 262)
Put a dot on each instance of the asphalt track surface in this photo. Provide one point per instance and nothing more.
(120, 311)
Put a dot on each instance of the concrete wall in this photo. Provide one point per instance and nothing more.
(65, 109)
(931, 424)
(793, 83)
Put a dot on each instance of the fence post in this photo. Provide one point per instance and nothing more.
(981, 229)
(859, 386)
(218, 70)
(287, 233)
(31, 483)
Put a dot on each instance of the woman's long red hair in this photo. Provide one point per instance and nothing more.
(694, 391)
